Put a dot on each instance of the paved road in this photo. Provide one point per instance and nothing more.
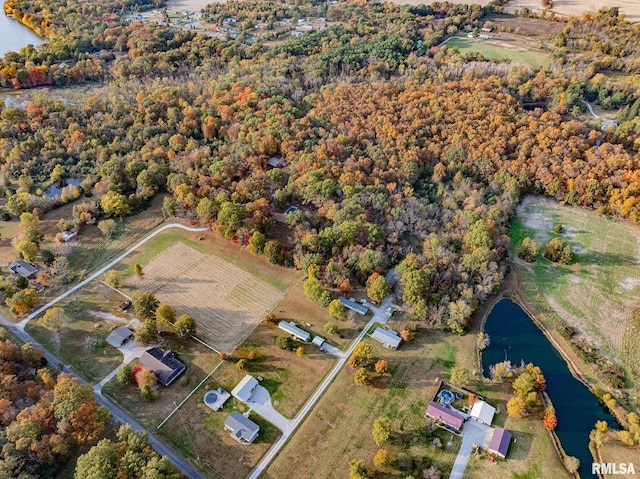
(102, 270)
(379, 316)
(184, 467)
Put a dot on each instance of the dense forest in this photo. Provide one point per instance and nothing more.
(43, 419)
(398, 152)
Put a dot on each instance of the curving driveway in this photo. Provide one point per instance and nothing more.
(260, 403)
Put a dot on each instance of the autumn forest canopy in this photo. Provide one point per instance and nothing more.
(399, 152)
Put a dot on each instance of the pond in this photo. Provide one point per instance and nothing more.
(14, 35)
(514, 336)
(54, 190)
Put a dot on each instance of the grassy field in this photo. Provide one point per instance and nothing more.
(490, 50)
(227, 301)
(339, 427)
(612, 450)
(595, 293)
(82, 343)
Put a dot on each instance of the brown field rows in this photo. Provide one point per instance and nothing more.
(226, 301)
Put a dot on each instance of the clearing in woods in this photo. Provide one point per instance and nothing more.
(226, 301)
(501, 47)
(596, 292)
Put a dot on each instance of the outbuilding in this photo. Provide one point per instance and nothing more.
(119, 336)
(318, 341)
(482, 412)
(244, 390)
(387, 337)
(500, 441)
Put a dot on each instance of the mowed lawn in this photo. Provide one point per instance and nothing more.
(92, 313)
(531, 451)
(199, 431)
(339, 428)
(493, 51)
(596, 292)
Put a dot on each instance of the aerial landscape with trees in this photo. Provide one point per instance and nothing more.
(397, 151)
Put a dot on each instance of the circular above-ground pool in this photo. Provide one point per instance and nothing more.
(446, 396)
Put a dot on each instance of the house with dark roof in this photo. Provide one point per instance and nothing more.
(24, 269)
(241, 428)
(387, 337)
(119, 336)
(353, 306)
(163, 364)
(500, 441)
(244, 390)
(447, 417)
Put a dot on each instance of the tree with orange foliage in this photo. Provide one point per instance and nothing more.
(549, 419)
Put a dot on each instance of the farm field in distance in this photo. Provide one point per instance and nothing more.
(496, 49)
(573, 8)
(596, 292)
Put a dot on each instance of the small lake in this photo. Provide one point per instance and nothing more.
(54, 190)
(515, 337)
(14, 35)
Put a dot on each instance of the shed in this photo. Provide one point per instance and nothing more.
(451, 418)
(241, 428)
(482, 412)
(24, 269)
(387, 337)
(163, 364)
(391, 277)
(216, 399)
(119, 336)
(69, 235)
(295, 331)
(500, 441)
(353, 306)
(245, 388)
(318, 341)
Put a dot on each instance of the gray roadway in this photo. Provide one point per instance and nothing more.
(122, 417)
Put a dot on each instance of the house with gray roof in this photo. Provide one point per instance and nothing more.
(353, 306)
(24, 269)
(163, 364)
(294, 330)
(244, 390)
(241, 428)
(387, 337)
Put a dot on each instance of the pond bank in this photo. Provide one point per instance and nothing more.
(514, 335)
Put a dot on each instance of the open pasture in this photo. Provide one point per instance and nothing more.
(500, 48)
(595, 293)
(226, 301)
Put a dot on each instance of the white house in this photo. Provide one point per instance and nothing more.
(387, 337)
(244, 390)
(295, 331)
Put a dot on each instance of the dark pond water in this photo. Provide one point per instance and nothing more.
(55, 190)
(514, 336)
(14, 35)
